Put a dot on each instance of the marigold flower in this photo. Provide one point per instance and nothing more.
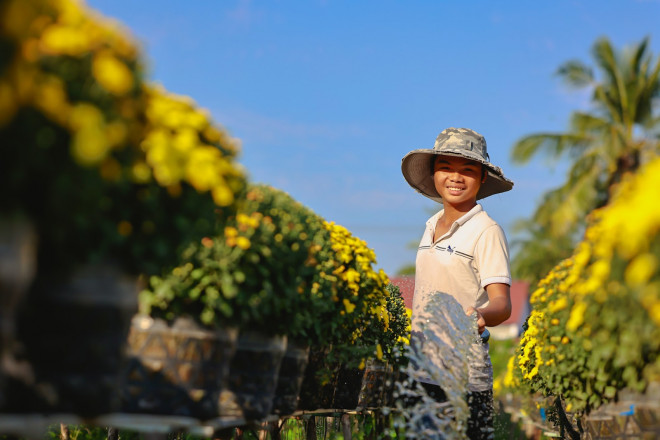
(577, 316)
(243, 242)
(558, 305)
(222, 195)
(112, 73)
(641, 269)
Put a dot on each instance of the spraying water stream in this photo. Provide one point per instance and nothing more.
(445, 350)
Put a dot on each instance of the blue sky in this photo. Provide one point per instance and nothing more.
(327, 96)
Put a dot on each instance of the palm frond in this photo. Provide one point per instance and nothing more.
(576, 74)
(638, 56)
(616, 91)
(609, 103)
(552, 145)
(650, 90)
(582, 122)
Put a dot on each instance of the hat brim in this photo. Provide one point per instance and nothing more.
(416, 169)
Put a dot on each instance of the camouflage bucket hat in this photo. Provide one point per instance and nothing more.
(417, 166)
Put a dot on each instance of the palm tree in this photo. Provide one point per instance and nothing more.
(537, 251)
(613, 139)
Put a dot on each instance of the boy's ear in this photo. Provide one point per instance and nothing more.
(485, 175)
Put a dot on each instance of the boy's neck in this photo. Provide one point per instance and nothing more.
(452, 213)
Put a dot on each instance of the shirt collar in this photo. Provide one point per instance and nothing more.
(461, 221)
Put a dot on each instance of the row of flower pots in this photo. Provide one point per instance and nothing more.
(78, 346)
(185, 370)
(180, 370)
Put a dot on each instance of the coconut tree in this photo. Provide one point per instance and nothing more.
(616, 135)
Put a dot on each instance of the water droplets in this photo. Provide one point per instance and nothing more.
(445, 348)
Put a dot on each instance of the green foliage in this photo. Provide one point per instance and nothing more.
(396, 337)
(84, 432)
(257, 275)
(595, 323)
(73, 126)
(613, 138)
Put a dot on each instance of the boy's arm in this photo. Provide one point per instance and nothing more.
(498, 309)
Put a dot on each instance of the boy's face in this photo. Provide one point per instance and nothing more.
(458, 180)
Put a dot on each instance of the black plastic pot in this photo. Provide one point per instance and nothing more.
(318, 385)
(74, 334)
(372, 393)
(177, 369)
(347, 388)
(253, 375)
(290, 378)
(18, 247)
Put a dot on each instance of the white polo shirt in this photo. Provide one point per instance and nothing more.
(471, 255)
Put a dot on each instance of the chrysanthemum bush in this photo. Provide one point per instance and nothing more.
(256, 273)
(82, 140)
(278, 267)
(595, 325)
(392, 335)
(347, 271)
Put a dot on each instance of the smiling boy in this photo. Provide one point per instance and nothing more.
(463, 252)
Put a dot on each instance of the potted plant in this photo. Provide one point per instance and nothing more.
(80, 117)
(379, 374)
(357, 303)
(258, 275)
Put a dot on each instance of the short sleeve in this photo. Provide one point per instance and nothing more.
(492, 257)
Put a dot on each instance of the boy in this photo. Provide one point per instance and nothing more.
(463, 252)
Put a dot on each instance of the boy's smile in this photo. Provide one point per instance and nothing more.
(458, 180)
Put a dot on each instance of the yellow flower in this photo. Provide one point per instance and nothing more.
(509, 379)
(89, 145)
(654, 313)
(641, 269)
(141, 172)
(349, 306)
(247, 220)
(379, 352)
(222, 195)
(536, 295)
(64, 40)
(52, 99)
(558, 305)
(201, 169)
(577, 316)
(111, 73)
(185, 140)
(352, 276)
(243, 242)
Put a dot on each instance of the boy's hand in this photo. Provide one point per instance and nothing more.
(481, 322)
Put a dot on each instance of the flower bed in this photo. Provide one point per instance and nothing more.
(595, 325)
(144, 182)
